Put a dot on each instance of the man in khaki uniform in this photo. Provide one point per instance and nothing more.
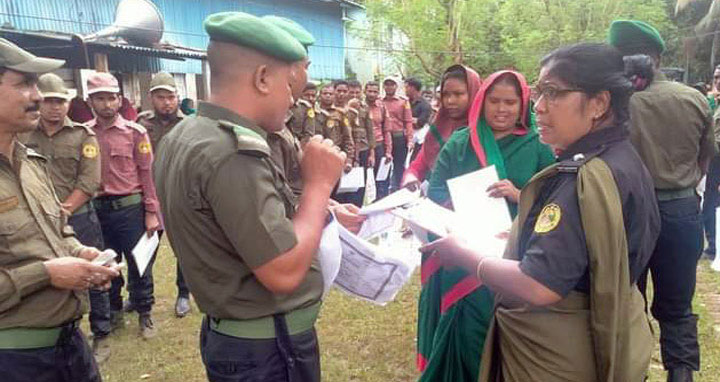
(363, 135)
(331, 122)
(74, 164)
(300, 120)
(44, 271)
(671, 129)
(158, 122)
(247, 251)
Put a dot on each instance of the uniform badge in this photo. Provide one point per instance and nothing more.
(8, 204)
(89, 151)
(311, 113)
(407, 105)
(330, 123)
(144, 147)
(548, 219)
(347, 122)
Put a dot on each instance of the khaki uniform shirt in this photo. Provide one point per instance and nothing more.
(227, 211)
(286, 153)
(333, 125)
(157, 127)
(302, 120)
(361, 125)
(671, 128)
(33, 230)
(73, 157)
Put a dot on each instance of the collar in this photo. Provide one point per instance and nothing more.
(67, 123)
(219, 113)
(595, 141)
(395, 97)
(120, 123)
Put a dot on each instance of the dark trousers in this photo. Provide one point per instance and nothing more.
(183, 290)
(380, 186)
(282, 359)
(88, 231)
(673, 268)
(399, 153)
(710, 202)
(122, 228)
(71, 360)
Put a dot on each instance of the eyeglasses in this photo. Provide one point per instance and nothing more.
(551, 93)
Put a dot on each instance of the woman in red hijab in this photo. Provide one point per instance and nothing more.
(457, 90)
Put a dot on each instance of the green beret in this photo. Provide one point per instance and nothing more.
(249, 31)
(629, 35)
(296, 30)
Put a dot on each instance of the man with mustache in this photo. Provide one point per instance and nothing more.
(44, 270)
(127, 205)
(158, 122)
(74, 164)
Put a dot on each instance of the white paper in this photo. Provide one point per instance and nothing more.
(715, 266)
(329, 254)
(419, 135)
(370, 189)
(424, 216)
(144, 251)
(409, 156)
(376, 224)
(396, 199)
(384, 169)
(369, 272)
(352, 181)
(480, 218)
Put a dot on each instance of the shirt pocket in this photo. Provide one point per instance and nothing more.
(53, 214)
(66, 160)
(15, 230)
(121, 159)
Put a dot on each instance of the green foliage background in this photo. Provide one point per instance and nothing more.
(489, 35)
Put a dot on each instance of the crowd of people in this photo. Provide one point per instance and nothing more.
(598, 163)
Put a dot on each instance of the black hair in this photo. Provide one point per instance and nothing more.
(310, 86)
(414, 82)
(372, 83)
(457, 72)
(640, 70)
(700, 86)
(593, 68)
(337, 83)
(508, 79)
(354, 84)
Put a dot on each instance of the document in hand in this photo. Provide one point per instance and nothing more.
(329, 253)
(144, 251)
(480, 218)
(370, 272)
(352, 181)
(401, 197)
(384, 169)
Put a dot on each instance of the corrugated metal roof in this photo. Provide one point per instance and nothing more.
(183, 24)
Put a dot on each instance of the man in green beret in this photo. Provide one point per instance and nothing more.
(164, 115)
(671, 120)
(44, 270)
(246, 248)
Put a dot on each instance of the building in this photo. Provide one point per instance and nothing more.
(53, 28)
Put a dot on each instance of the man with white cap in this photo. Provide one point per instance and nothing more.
(127, 205)
(164, 115)
(73, 158)
(44, 271)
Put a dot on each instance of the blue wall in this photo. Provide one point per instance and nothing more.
(183, 24)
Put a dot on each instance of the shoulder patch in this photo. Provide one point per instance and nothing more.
(90, 151)
(548, 219)
(144, 147)
(311, 113)
(248, 141)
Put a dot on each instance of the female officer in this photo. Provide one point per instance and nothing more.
(567, 304)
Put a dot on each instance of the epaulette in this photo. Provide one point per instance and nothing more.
(304, 103)
(248, 141)
(85, 127)
(34, 154)
(149, 114)
(140, 128)
(572, 166)
(322, 111)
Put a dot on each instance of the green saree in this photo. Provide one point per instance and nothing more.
(454, 314)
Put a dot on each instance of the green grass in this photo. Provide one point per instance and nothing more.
(358, 341)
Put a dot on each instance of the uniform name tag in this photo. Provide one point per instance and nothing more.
(8, 204)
